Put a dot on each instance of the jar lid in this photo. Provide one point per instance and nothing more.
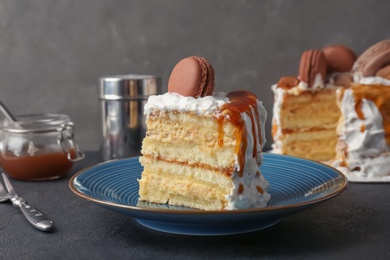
(35, 123)
(129, 87)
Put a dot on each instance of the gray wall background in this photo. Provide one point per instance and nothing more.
(52, 53)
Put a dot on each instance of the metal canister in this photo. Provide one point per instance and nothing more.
(122, 101)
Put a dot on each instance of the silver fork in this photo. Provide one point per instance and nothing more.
(4, 196)
(36, 218)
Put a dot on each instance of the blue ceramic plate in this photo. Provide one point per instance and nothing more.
(295, 184)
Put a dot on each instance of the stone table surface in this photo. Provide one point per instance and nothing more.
(353, 225)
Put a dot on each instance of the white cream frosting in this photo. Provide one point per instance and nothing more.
(172, 101)
(358, 77)
(279, 95)
(318, 84)
(367, 150)
(250, 198)
(210, 105)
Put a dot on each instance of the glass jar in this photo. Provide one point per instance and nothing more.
(38, 147)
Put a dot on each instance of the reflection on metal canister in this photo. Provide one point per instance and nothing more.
(122, 113)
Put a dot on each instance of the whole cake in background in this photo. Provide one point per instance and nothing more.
(202, 149)
(337, 111)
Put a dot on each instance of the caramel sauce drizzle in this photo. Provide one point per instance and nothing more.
(358, 108)
(380, 96)
(259, 189)
(240, 188)
(362, 128)
(241, 101)
(287, 83)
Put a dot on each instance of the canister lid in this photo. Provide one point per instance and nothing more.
(128, 87)
(35, 123)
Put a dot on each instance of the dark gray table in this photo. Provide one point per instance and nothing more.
(354, 225)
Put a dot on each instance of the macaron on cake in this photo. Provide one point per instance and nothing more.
(337, 111)
(312, 68)
(202, 148)
(192, 76)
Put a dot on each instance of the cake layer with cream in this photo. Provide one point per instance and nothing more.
(305, 120)
(204, 152)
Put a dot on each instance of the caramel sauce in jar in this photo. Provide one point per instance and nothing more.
(38, 167)
(38, 147)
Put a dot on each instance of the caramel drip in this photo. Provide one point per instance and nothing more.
(274, 129)
(259, 189)
(342, 150)
(241, 101)
(358, 108)
(343, 163)
(240, 188)
(380, 96)
(287, 83)
(362, 128)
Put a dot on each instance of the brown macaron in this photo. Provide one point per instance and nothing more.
(313, 62)
(339, 58)
(193, 77)
(373, 59)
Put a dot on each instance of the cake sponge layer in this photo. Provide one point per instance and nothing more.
(310, 110)
(190, 153)
(184, 185)
(183, 137)
(171, 126)
(304, 123)
(314, 145)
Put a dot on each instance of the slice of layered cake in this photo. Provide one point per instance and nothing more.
(363, 151)
(305, 113)
(203, 150)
